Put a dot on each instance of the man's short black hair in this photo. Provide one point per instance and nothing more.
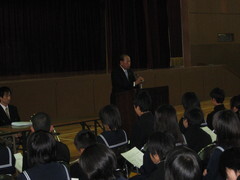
(121, 57)
(217, 94)
(143, 100)
(4, 90)
(194, 116)
(41, 121)
(84, 138)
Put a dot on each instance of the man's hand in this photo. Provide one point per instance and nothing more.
(139, 80)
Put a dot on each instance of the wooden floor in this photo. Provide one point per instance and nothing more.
(67, 133)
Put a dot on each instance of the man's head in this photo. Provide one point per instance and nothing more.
(41, 121)
(193, 117)
(83, 139)
(5, 95)
(217, 96)
(125, 61)
(142, 102)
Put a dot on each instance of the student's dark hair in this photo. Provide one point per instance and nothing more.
(235, 102)
(98, 162)
(41, 121)
(143, 100)
(166, 121)
(230, 158)
(227, 127)
(41, 147)
(182, 163)
(4, 90)
(110, 116)
(190, 100)
(217, 94)
(160, 143)
(84, 138)
(194, 117)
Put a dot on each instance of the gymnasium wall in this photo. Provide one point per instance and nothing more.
(81, 96)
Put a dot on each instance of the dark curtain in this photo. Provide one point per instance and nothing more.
(138, 28)
(42, 36)
(174, 24)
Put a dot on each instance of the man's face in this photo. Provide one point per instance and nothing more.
(5, 100)
(126, 62)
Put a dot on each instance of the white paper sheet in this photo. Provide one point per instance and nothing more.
(134, 156)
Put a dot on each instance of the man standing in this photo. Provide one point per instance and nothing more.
(8, 113)
(123, 78)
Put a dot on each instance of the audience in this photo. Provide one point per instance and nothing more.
(42, 155)
(182, 164)
(227, 127)
(230, 163)
(218, 97)
(189, 101)
(7, 160)
(98, 162)
(82, 140)
(143, 127)
(235, 105)
(195, 136)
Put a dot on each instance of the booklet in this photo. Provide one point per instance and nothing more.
(134, 156)
(19, 161)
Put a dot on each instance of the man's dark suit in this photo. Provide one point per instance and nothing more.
(4, 120)
(120, 82)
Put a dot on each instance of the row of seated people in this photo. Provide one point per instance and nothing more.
(165, 121)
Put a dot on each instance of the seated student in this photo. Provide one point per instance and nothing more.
(82, 140)
(218, 97)
(98, 162)
(113, 136)
(42, 154)
(143, 127)
(182, 164)
(189, 101)
(230, 163)
(235, 105)
(227, 127)
(42, 121)
(195, 136)
(7, 160)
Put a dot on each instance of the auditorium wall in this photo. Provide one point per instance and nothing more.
(81, 96)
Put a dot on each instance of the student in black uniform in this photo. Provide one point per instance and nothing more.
(42, 155)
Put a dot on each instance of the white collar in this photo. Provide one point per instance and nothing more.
(4, 107)
(123, 69)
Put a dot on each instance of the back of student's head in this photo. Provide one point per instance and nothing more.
(166, 121)
(160, 143)
(194, 117)
(217, 94)
(143, 100)
(227, 127)
(110, 116)
(41, 121)
(230, 159)
(4, 90)
(98, 162)
(41, 147)
(182, 164)
(235, 102)
(190, 100)
(84, 138)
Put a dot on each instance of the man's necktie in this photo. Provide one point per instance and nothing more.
(126, 73)
(7, 112)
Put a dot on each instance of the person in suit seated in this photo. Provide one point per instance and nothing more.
(182, 163)
(82, 140)
(99, 162)
(7, 160)
(143, 127)
(123, 78)
(41, 147)
(8, 113)
(42, 121)
(235, 105)
(218, 97)
(195, 136)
